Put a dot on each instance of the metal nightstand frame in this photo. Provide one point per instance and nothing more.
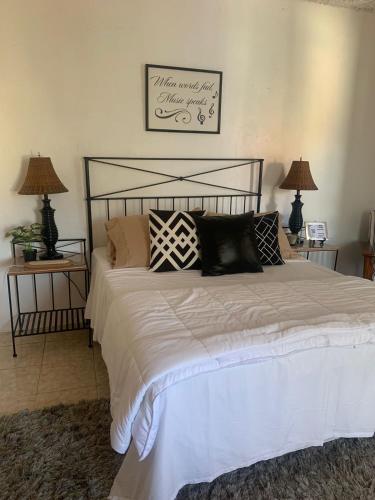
(326, 248)
(53, 320)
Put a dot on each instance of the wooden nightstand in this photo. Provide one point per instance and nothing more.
(368, 254)
(305, 248)
(40, 311)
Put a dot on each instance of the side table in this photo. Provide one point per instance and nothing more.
(305, 248)
(368, 253)
(39, 319)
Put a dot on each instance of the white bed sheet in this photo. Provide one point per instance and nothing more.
(325, 393)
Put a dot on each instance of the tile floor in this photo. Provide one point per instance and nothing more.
(50, 369)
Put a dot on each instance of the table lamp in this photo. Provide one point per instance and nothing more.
(41, 178)
(299, 178)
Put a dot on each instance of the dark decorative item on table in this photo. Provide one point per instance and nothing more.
(41, 178)
(25, 236)
(299, 178)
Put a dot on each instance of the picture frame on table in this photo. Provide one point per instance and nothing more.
(316, 231)
(183, 99)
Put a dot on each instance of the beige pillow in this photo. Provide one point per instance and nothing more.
(285, 249)
(129, 241)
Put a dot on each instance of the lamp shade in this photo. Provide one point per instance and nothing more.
(299, 177)
(41, 178)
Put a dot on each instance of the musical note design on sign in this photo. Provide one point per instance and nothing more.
(201, 117)
(181, 114)
(211, 110)
(215, 95)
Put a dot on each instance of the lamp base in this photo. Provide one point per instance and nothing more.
(51, 256)
(296, 219)
(50, 234)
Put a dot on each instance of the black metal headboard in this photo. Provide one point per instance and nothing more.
(224, 197)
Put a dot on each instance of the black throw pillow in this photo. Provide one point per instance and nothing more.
(228, 244)
(267, 235)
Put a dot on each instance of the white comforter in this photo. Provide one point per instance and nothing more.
(154, 339)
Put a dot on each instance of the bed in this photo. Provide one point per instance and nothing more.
(209, 374)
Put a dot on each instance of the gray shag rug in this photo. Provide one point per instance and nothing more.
(64, 453)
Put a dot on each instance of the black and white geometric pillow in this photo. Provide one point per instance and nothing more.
(174, 243)
(266, 232)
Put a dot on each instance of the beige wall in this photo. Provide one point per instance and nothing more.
(298, 79)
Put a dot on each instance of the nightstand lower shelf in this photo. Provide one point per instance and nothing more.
(51, 321)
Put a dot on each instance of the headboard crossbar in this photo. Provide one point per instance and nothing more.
(173, 178)
(230, 199)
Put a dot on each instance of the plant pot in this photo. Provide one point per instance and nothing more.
(29, 255)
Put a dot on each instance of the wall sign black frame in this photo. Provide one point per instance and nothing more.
(183, 99)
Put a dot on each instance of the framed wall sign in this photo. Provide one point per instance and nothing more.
(183, 99)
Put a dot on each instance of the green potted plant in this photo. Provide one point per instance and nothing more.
(25, 235)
